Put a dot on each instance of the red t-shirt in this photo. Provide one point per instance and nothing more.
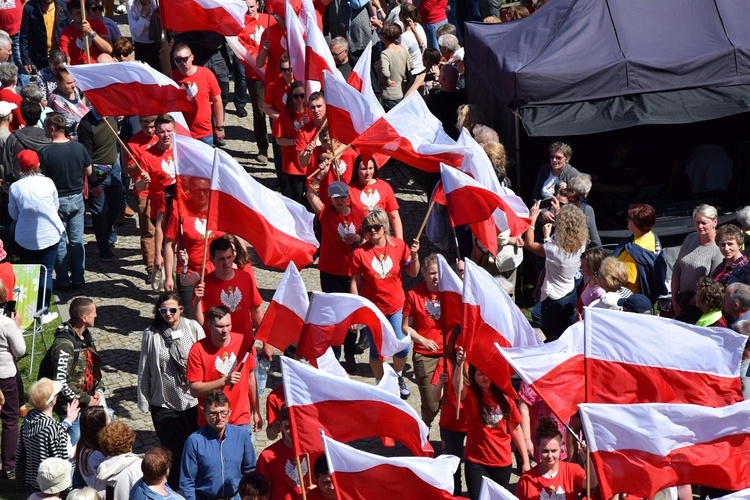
(192, 240)
(290, 129)
(8, 95)
(72, 44)
(448, 406)
(160, 166)
(252, 34)
(278, 464)
(335, 254)
(424, 307)
(433, 11)
(137, 144)
(239, 295)
(276, 34)
(207, 363)
(376, 195)
(8, 275)
(276, 95)
(274, 402)
(201, 86)
(11, 12)
(381, 274)
(489, 444)
(568, 483)
(305, 136)
(345, 168)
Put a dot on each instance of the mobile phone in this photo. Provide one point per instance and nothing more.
(545, 203)
(10, 308)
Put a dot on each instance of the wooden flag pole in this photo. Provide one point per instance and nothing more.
(86, 46)
(424, 222)
(124, 146)
(460, 368)
(301, 478)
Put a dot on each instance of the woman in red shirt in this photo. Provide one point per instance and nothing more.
(558, 479)
(293, 118)
(376, 275)
(368, 193)
(493, 419)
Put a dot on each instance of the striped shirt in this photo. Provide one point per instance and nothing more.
(41, 437)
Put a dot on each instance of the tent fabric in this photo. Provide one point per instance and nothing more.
(613, 63)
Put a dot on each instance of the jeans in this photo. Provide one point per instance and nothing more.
(75, 431)
(173, 428)
(280, 175)
(45, 257)
(389, 104)
(23, 77)
(453, 444)
(240, 83)
(71, 254)
(430, 31)
(261, 374)
(395, 321)
(107, 208)
(208, 140)
(475, 472)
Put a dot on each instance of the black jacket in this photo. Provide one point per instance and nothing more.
(33, 39)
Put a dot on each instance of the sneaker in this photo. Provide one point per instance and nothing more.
(241, 112)
(129, 212)
(122, 9)
(262, 157)
(350, 365)
(49, 317)
(405, 392)
(113, 237)
(106, 257)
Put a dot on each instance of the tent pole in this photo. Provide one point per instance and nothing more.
(517, 123)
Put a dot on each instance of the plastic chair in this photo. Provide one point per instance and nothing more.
(31, 282)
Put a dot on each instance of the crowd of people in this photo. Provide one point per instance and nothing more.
(201, 376)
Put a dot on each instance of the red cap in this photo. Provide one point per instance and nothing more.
(28, 160)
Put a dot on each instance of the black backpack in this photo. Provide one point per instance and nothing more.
(46, 368)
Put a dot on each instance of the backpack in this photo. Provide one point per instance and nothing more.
(46, 367)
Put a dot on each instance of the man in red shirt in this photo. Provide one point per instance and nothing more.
(274, 102)
(433, 14)
(307, 137)
(202, 86)
(71, 38)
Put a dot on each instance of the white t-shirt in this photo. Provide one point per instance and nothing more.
(549, 186)
(561, 268)
(408, 41)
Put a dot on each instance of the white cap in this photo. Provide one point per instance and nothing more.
(6, 108)
(57, 388)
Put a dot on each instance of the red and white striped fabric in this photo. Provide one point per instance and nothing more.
(361, 79)
(295, 42)
(331, 314)
(349, 112)
(318, 57)
(226, 17)
(180, 124)
(329, 364)
(285, 316)
(358, 474)
(346, 410)
(246, 54)
(490, 317)
(640, 449)
(638, 358)
(279, 229)
(410, 133)
(553, 370)
(493, 491)
(129, 88)
(450, 287)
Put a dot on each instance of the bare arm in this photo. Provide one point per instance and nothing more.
(200, 389)
(413, 268)
(517, 434)
(356, 284)
(530, 243)
(269, 110)
(396, 225)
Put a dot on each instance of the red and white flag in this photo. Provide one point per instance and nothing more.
(360, 77)
(129, 88)
(180, 124)
(279, 229)
(246, 53)
(226, 17)
(358, 474)
(346, 410)
(450, 287)
(318, 57)
(282, 323)
(493, 491)
(640, 449)
(638, 358)
(349, 112)
(330, 364)
(553, 370)
(490, 317)
(295, 42)
(331, 314)
(410, 133)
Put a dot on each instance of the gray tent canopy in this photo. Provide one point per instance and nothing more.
(585, 66)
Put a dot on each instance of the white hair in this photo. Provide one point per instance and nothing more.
(743, 217)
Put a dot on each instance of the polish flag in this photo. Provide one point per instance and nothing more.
(693, 365)
(640, 449)
(282, 323)
(493, 491)
(450, 288)
(553, 370)
(226, 17)
(410, 133)
(329, 363)
(318, 57)
(490, 317)
(295, 42)
(346, 410)
(129, 88)
(349, 112)
(331, 314)
(280, 230)
(180, 124)
(360, 77)
(246, 54)
(358, 474)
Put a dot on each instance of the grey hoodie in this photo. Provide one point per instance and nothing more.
(25, 138)
(121, 472)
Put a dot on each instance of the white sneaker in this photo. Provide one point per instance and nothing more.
(49, 317)
(122, 9)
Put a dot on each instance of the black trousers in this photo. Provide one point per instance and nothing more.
(173, 428)
(475, 472)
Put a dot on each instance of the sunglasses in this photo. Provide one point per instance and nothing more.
(285, 70)
(171, 310)
(374, 227)
(298, 96)
(179, 60)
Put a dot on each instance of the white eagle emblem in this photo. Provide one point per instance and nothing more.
(283, 44)
(257, 35)
(550, 494)
(433, 308)
(191, 89)
(341, 168)
(345, 229)
(80, 44)
(225, 363)
(298, 124)
(382, 267)
(231, 298)
(492, 418)
(291, 470)
(370, 199)
(167, 167)
(200, 228)
(284, 98)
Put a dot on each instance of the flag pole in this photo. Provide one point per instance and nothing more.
(460, 368)
(427, 216)
(586, 335)
(122, 144)
(85, 36)
(335, 157)
(301, 477)
(210, 200)
(309, 468)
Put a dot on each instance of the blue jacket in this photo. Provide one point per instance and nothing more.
(213, 468)
(652, 267)
(32, 39)
(142, 492)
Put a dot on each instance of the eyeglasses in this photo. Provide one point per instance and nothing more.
(171, 310)
(285, 70)
(215, 414)
(124, 54)
(374, 227)
(298, 96)
(558, 158)
(336, 55)
(180, 60)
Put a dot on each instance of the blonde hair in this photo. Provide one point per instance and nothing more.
(3, 291)
(613, 274)
(496, 153)
(706, 211)
(468, 116)
(571, 231)
(377, 216)
(40, 392)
